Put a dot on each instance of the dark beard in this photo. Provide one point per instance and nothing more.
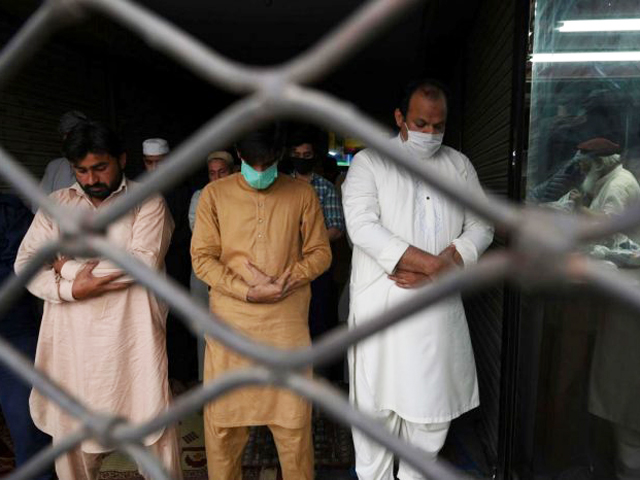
(102, 191)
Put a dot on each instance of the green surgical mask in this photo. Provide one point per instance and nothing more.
(259, 180)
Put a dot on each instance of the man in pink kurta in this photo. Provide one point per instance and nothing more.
(102, 336)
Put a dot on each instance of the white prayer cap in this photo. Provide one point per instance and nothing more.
(221, 155)
(155, 146)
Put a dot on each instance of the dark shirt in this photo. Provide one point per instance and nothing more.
(15, 219)
(178, 259)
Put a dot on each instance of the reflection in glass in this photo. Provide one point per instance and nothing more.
(580, 354)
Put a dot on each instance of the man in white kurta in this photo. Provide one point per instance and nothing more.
(420, 374)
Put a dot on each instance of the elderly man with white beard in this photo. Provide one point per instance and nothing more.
(608, 187)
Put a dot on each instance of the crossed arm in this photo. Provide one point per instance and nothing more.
(206, 251)
(405, 264)
(69, 280)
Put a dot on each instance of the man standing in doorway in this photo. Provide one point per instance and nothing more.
(102, 337)
(419, 375)
(181, 343)
(259, 239)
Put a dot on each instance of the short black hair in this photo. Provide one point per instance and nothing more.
(70, 120)
(430, 87)
(261, 146)
(91, 137)
(301, 136)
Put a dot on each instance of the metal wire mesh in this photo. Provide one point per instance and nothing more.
(541, 250)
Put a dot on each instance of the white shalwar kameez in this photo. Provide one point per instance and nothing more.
(420, 374)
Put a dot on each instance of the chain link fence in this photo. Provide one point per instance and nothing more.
(541, 251)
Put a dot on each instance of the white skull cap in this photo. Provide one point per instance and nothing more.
(155, 146)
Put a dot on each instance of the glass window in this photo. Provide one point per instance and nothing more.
(580, 354)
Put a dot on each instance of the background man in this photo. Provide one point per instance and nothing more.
(102, 337)
(153, 152)
(418, 376)
(259, 239)
(323, 307)
(219, 165)
(19, 326)
(181, 344)
(594, 341)
(303, 153)
(59, 173)
(608, 188)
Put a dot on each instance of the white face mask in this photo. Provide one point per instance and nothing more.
(423, 145)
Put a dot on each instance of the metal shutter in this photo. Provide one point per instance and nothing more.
(485, 139)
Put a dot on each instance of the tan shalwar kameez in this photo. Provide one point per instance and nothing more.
(276, 228)
(108, 351)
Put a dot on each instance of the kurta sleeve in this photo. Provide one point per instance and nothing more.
(193, 205)
(615, 202)
(476, 234)
(46, 284)
(206, 248)
(316, 251)
(150, 238)
(614, 198)
(362, 215)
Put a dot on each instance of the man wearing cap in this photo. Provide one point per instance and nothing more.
(153, 152)
(58, 173)
(576, 332)
(614, 384)
(607, 187)
(219, 165)
(181, 344)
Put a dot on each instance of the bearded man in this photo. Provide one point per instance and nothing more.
(102, 337)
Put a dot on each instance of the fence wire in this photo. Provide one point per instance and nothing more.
(541, 251)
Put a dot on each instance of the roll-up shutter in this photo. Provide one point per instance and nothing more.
(56, 80)
(485, 139)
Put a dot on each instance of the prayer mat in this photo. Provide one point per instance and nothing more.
(117, 466)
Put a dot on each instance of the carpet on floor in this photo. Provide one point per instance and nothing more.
(333, 449)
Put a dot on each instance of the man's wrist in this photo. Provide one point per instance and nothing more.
(251, 295)
(432, 264)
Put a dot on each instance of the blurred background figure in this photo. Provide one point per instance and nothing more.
(58, 173)
(19, 326)
(219, 165)
(181, 343)
(304, 157)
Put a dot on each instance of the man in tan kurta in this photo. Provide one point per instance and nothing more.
(102, 336)
(259, 239)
